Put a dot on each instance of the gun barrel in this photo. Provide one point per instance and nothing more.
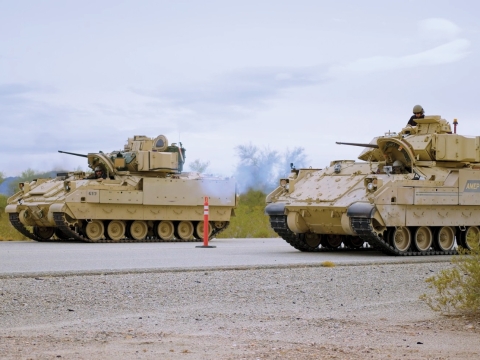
(374, 146)
(70, 153)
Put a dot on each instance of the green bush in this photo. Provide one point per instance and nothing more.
(249, 220)
(457, 289)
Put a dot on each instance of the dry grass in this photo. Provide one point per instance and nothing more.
(328, 264)
(7, 231)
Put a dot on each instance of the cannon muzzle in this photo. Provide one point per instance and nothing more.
(70, 153)
(374, 146)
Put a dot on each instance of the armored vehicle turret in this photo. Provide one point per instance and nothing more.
(413, 193)
(136, 194)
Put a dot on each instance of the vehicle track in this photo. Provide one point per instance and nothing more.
(71, 234)
(361, 226)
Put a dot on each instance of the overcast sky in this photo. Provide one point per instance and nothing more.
(83, 76)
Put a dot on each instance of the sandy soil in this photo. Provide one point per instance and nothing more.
(345, 312)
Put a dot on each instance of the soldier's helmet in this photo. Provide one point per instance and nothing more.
(397, 167)
(98, 171)
(418, 109)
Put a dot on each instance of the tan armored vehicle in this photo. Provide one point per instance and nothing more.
(414, 193)
(138, 194)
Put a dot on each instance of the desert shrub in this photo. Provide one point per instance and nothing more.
(249, 220)
(457, 289)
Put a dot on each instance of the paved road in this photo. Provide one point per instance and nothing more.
(29, 257)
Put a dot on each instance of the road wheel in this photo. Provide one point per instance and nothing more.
(45, 233)
(94, 230)
(353, 242)
(312, 240)
(138, 230)
(220, 224)
(472, 237)
(116, 230)
(200, 228)
(423, 238)
(445, 238)
(332, 241)
(185, 230)
(165, 230)
(401, 238)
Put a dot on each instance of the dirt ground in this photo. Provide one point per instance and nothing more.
(344, 312)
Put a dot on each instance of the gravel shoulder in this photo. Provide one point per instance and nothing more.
(343, 312)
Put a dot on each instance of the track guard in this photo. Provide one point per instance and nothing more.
(275, 209)
(361, 210)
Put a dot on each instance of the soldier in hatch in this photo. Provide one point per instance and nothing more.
(98, 174)
(398, 167)
(418, 113)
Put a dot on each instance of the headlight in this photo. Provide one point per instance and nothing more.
(370, 186)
